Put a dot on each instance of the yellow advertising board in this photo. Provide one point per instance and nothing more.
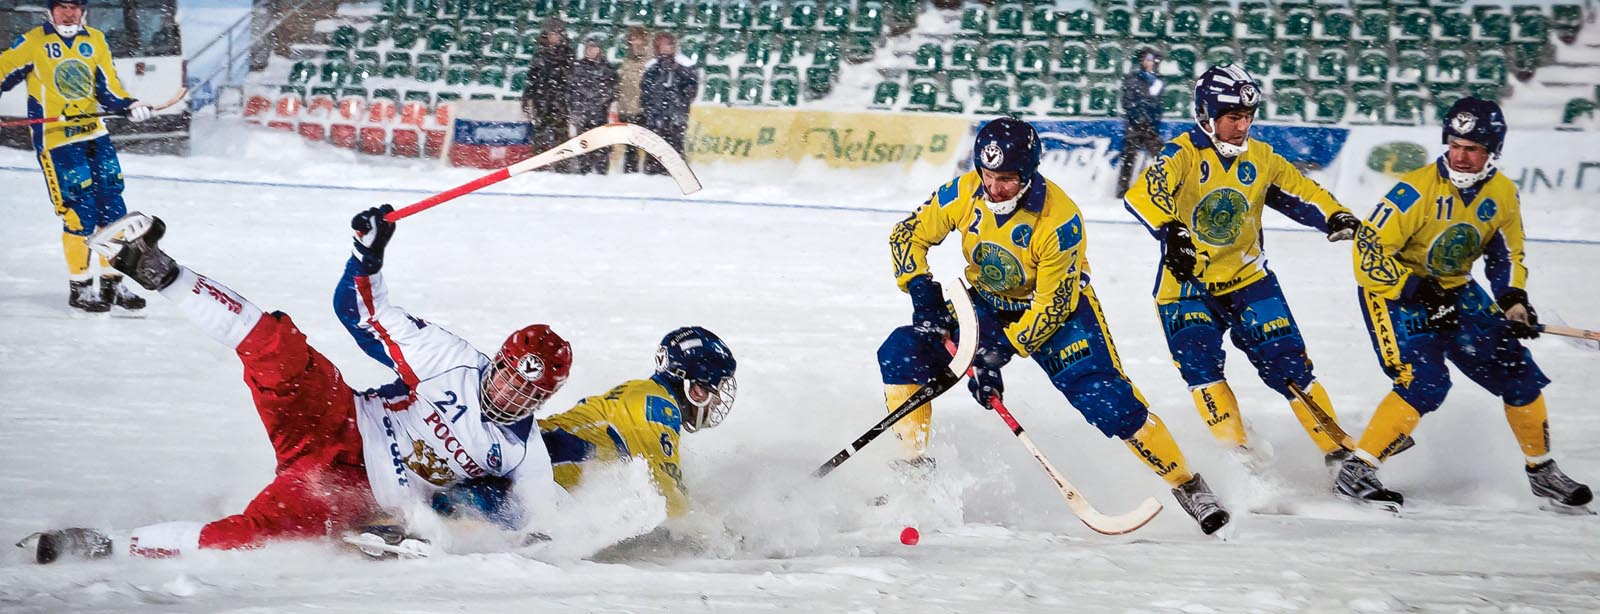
(844, 140)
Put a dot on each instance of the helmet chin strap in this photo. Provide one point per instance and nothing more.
(1005, 207)
(68, 31)
(1226, 149)
(1463, 180)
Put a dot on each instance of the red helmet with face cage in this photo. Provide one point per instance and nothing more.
(530, 367)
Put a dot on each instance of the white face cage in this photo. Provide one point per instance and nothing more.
(710, 404)
(506, 396)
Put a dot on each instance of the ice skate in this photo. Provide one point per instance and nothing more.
(81, 295)
(1358, 482)
(1196, 498)
(112, 292)
(48, 546)
(130, 244)
(1561, 493)
(1335, 459)
(389, 542)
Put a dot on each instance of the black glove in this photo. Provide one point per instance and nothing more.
(372, 235)
(986, 382)
(1177, 251)
(1524, 320)
(1440, 305)
(1342, 226)
(928, 310)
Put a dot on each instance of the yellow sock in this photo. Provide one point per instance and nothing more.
(1154, 445)
(1220, 411)
(912, 430)
(1319, 395)
(1531, 426)
(77, 252)
(1390, 425)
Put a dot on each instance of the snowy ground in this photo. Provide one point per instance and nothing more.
(115, 422)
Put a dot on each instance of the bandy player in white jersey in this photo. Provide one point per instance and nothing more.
(344, 457)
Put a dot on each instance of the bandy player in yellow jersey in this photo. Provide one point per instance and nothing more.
(1024, 243)
(1413, 260)
(693, 388)
(1211, 183)
(67, 70)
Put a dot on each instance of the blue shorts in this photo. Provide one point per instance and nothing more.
(1258, 320)
(85, 184)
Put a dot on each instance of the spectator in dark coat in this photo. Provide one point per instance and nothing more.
(1141, 114)
(545, 98)
(629, 75)
(666, 91)
(594, 88)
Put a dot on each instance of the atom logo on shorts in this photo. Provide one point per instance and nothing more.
(530, 367)
(992, 155)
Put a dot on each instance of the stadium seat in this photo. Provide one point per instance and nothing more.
(1369, 107)
(1526, 57)
(718, 84)
(974, 21)
(868, 18)
(1073, 60)
(440, 39)
(1103, 98)
(493, 75)
(1218, 56)
(430, 67)
(1115, 22)
(995, 98)
(1150, 23)
(826, 54)
(1258, 61)
(502, 43)
(1177, 98)
(1337, 25)
(1331, 106)
(1288, 104)
(348, 114)
(835, 17)
(335, 72)
(1182, 60)
(1032, 97)
(802, 16)
(767, 16)
(405, 36)
(1108, 59)
(784, 87)
(460, 72)
(608, 12)
(1333, 66)
(750, 85)
(1009, 18)
(319, 108)
(1078, 24)
(1409, 66)
(1449, 67)
(1491, 24)
(344, 37)
(963, 58)
(256, 108)
(302, 72)
(1184, 24)
(1415, 24)
(999, 56)
(1566, 20)
(1490, 67)
(1451, 25)
(1372, 26)
(373, 135)
(286, 113)
(704, 16)
(1035, 60)
(1260, 23)
(1406, 105)
(1530, 24)
(397, 65)
(1220, 24)
(1299, 24)
(374, 35)
(1044, 23)
(1294, 62)
(924, 96)
(1578, 109)
(886, 95)
(1372, 65)
(1068, 101)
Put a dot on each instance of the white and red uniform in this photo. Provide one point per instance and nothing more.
(345, 455)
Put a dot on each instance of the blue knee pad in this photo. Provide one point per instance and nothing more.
(1106, 400)
(1427, 387)
(910, 356)
(1195, 341)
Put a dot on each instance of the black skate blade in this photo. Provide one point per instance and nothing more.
(1558, 507)
(1385, 506)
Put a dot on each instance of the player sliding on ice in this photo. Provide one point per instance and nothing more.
(1414, 259)
(1211, 183)
(1024, 242)
(344, 456)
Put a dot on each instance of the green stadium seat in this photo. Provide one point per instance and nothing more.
(1338, 24)
(869, 18)
(1259, 60)
(1578, 109)
(1078, 24)
(1372, 26)
(1103, 98)
(1073, 59)
(692, 47)
(1068, 101)
(1260, 24)
(924, 96)
(643, 14)
(1288, 104)
(1044, 22)
(375, 35)
(444, 97)
(440, 39)
(1115, 22)
(1492, 24)
(457, 74)
(1416, 24)
(404, 36)
(827, 53)
(1032, 96)
(819, 81)
(1410, 66)
(335, 55)
(758, 49)
(722, 47)
(1566, 20)
(334, 73)
(963, 57)
(768, 15)
(750, 85)
(886, 95)
(493, 75)
(1008, 20)
(835, 17)
(1184, 24)
(344, 37)
(302, 72)
(1333, 66)
(430, 67)
(784, 89)
(1442, 97)
(1177, 98)
(470, 40)
(1331, 106)
(1406, 105)
(502, 43)
(1372, 65)
(609, 12)
(1183, 59)
(1217, 56)
(1453, 25)
(1530, 24)
(1151, 22)
(1369, 107)
(974, 21)
(541, 8)
(1526, 57)
(1298, 24)
(704, 16)
(397, 65)
(1108, 60)
(577, 12)
(802, 16)
(1220, 24)
(718, 84)
(1035, 60)
(994, 97)
(519, 79)
(424, 8)
(1490, 67)
(1449, 67)
(1000, 56)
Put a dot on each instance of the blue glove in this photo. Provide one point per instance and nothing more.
(986, 382)
(928, 310)
(372, 235)
(488, 497)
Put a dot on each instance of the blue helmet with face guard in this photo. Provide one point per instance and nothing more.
(1007, 144)
(1477, 120)
(1219, 90)
(701, 366)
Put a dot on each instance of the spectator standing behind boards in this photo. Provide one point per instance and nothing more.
(666, 91)
(594, 88)
(1141, 114)
(629, 74)
(544, 100)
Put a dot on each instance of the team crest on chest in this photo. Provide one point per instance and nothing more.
(73, 80)
(998, 269)
(1219, 218)
(1247, 173)
(85, 50)
(1486, 210)
(1454, 250)
(1021, 235)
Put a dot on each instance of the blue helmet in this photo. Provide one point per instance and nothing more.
(54, 3)
(1224, 88)
(1007, 144)
(698, 362)
(1476, 120)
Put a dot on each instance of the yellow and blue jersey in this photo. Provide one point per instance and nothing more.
(1220, 200)
(64, 76)
(1031, 260)
(1428, 227)
(637, 419)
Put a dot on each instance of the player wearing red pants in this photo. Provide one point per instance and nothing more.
(344, 456)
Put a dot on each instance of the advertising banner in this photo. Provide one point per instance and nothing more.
(840, 140)
(489, 134)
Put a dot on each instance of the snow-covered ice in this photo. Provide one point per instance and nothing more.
(116, 422)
